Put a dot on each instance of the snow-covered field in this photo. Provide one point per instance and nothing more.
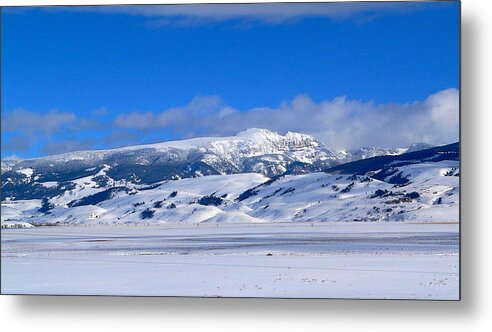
(315, 260)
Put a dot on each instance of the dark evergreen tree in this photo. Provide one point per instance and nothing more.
(147, 214)
(45, 205)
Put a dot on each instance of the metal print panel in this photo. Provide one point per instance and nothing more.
(305, 150)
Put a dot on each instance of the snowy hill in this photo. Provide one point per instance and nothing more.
(421, 186)
(385, 165)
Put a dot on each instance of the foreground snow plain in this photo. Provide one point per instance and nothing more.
(302, 260)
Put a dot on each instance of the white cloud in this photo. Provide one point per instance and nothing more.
(340, 122)
(67, 145)
(29, 128)
(17, 143)
(269, 13)
(180, 119)
(27, 122)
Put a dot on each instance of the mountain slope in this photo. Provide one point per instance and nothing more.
(384, 166)
(431, 195)
(419, 186)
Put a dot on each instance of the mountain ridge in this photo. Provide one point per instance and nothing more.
(253, 150)
(252, 133)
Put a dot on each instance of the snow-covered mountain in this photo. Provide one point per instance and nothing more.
(371, 152)
(418, 147)
(251, 151)
(7, 165)
(422, 185)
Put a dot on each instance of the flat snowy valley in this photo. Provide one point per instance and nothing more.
(304, 260)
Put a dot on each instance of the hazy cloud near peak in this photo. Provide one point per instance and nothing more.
(178, 118)
(339, 123)
(55, 147)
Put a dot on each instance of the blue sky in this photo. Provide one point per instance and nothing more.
(98, 77)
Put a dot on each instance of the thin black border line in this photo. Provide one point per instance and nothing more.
(281, 298)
